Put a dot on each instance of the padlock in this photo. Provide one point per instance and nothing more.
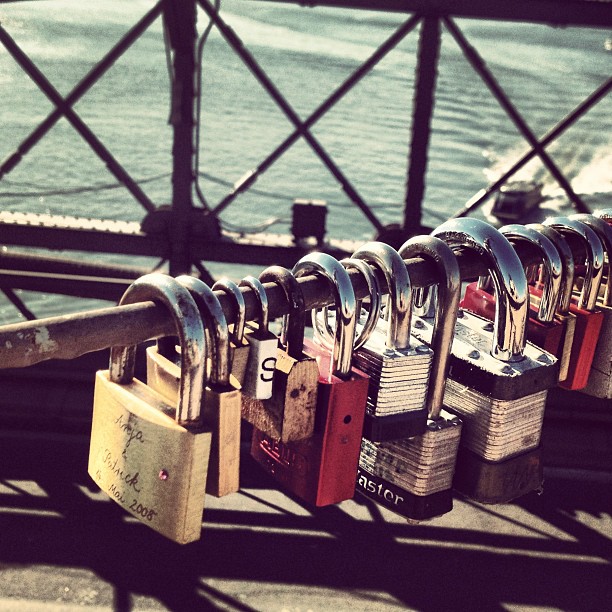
(263, 347)
(562, 315)
(414, 476)
(221, 399)
(368, 318)
(148, 453)
(497, 382)
(589, 318)
(398, 365)
(239, 347)
(321, 470)
(542, 328)
(599, 383)
(289, 414)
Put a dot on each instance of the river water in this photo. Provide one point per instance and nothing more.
(545, 71)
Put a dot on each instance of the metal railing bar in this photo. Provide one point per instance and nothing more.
(234, 41)
(481, 197)
(70, 336)
(324, 107)
(480, 67)
(82, 87)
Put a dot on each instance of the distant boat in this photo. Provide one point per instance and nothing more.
(516, 199)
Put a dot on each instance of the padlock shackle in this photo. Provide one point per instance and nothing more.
(447, 305)
(509, 281)
(170, 293)
(262, 299)
(231, 288)
(551, 263)
(330, 268)
(322, 328)
(604, 232)
(215, 327)
(594, 257)
(567, 262)
(386, 259)
(292, 333)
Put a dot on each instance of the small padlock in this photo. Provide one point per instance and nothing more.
(149, 453)
(398, 365)
(263, 344)
(589, 318)
(321, 470)
(599, 383)
(542, 328)
(563, 315)
(414, 477)
(239, 347)
(289, 414)
(221, 399)
(497, 382)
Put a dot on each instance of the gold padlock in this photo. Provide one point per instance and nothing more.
(221, 400)
(147, 452)
(239, 346)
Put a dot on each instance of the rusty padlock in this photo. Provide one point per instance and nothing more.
(321, 470)
(289, 414)
(150, 453)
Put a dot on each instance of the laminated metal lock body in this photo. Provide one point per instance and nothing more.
(497, 382)
(599, 383)
(239, 347)
(148, 452)
(321, 470)
(263, 345)
(221, 402)
(589, 318)
(398, 365)
(414, 476)
(289, 414)
(542, 329)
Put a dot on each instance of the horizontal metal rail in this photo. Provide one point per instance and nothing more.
(70, 336)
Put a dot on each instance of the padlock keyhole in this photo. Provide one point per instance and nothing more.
(347, 419)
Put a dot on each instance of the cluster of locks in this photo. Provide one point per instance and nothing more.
(403, 396)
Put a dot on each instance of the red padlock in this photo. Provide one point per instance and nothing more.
(600, 377)
(322, 469)
(589, 318)
(563, 315)
(542, 328)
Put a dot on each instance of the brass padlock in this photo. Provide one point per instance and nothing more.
(221, 399)
(239, 347)
(289, 414)
(147, 452)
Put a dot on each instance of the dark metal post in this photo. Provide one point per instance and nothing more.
(429, 48)
(180, 19)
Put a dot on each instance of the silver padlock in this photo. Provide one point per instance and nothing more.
(414, 476)
(398, 365)
(599, 383)
(263, 344)
(498, 382)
